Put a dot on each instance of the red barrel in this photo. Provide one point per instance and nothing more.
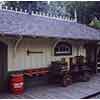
(17, 83)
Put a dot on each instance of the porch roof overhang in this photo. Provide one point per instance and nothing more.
(17, 24)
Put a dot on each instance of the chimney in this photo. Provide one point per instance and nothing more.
(75, 15)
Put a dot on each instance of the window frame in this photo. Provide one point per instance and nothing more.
(58, 46)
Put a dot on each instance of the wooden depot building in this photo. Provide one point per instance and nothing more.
(30, 41)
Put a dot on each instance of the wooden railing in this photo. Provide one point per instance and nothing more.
(42, 14)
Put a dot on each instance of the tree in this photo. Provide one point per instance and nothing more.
(58, 8)
(29, 5)
(86, 10)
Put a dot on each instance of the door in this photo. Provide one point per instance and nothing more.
(91, 49)
(98, 58)
(3, 66)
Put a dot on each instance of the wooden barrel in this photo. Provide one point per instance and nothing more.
(17, 83)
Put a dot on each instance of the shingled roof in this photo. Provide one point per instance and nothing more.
(12, 23)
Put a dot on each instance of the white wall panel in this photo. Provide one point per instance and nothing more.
(23, 61)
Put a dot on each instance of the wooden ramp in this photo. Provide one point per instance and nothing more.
(74, 91)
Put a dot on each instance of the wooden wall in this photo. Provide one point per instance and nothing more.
(23, 61)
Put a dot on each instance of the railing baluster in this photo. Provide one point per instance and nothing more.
(64, 18)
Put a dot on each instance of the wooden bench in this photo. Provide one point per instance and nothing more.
(36, 72)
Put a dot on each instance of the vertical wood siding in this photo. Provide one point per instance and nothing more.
(23, 61)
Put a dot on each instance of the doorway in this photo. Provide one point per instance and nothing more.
(3, 66)
(98, 58)
(91, 49)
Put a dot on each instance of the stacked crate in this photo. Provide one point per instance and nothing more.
(79, 69)
(58, 73)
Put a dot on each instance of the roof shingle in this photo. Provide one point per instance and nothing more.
(13, 23)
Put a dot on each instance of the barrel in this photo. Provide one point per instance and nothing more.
(17, 83)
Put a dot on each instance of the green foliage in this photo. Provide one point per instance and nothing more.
(57, 8)
(86, 10)
(95, 23)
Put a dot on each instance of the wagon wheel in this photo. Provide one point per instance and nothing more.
(86, 76)
(64, 83)
(66, 80)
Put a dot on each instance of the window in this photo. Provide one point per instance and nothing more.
(62, 48)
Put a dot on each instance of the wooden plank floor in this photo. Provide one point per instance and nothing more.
(74, 91)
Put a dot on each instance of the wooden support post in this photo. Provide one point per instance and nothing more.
(15, 49)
